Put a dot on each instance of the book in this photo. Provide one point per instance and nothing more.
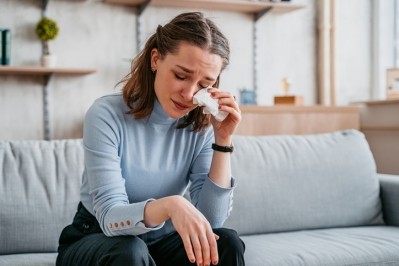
(1, 46)
(6, 46)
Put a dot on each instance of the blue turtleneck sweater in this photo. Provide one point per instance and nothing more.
(129, 162)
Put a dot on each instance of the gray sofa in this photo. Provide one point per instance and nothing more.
(300, 200)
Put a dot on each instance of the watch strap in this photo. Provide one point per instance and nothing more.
(216, 147)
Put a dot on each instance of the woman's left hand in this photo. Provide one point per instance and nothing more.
(227, 102)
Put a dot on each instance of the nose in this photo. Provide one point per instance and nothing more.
(188, 92)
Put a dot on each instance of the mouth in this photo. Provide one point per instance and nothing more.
(180, 106)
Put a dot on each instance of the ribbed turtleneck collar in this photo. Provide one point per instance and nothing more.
(158, 115)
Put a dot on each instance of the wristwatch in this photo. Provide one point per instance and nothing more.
(216, 147)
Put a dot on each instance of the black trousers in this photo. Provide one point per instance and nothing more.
(83, 244)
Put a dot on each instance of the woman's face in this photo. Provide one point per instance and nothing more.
(179, 76)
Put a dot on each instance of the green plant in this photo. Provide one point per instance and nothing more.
(46, 30)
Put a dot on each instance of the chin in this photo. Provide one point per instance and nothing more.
(176, 113)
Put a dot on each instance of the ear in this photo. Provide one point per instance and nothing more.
(154, 59)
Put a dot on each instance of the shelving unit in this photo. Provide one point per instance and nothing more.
(47, 73)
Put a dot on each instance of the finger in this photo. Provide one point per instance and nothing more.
(212, 89)
(229, 106)
(206, 252)
(197, 250)
(214, 248)
(220, 94)
(234, 113)
(189, 248)
(228, 101)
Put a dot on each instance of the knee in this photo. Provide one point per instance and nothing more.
(129, 250)
(229, 241)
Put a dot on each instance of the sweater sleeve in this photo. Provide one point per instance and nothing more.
(212, 200)
(101, 138)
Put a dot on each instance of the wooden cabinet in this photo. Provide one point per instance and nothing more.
(273, 120)
(379, 121)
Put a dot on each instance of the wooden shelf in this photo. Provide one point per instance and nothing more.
(246, 6)
(37, 70)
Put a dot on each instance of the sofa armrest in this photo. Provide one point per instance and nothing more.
(389, 185)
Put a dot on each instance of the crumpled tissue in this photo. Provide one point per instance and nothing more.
(203, 98)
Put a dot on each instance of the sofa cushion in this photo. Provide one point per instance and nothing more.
(297, 182)
(370, 245)
(39, 190)
(29, 259)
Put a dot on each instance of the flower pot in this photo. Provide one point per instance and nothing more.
(48, 60)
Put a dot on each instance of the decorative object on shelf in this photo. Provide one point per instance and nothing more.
(47, 30)
(393, 83)
(285, 85)
(247, 97)
(286, 98)
(5, 47)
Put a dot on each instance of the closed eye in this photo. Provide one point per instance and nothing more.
(180, 77)
(201, 86)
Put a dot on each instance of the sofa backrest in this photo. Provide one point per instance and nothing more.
(39, 192)
(284, 183)
(288, 183)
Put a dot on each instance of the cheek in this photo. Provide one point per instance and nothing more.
(164, 88)
(161, 82)
(167, 83)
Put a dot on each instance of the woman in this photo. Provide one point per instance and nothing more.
(142, 149)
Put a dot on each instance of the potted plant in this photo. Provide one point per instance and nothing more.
(47, 30)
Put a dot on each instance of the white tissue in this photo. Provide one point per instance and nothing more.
(203, 98)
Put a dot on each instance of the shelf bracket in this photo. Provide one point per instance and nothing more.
(142, 7)
(140, 10)
(46, 112)
(44, 7)
(255, 66)
(261, 13)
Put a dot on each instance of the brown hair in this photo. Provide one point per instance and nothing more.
(191, 27)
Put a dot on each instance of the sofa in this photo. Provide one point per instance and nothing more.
(300, 200)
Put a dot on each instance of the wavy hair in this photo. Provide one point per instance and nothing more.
(193, 28)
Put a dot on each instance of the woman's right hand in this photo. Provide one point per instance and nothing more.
(192, 226)
(195, 231)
